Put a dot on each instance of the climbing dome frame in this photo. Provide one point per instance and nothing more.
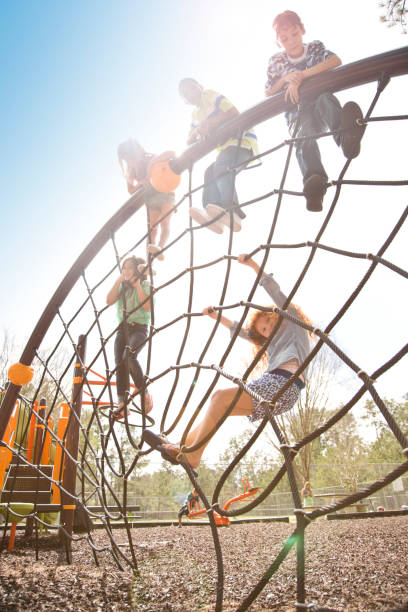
(76, 323)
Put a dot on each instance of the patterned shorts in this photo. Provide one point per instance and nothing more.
(266, 387)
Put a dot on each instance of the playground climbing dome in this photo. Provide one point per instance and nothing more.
(60, 437)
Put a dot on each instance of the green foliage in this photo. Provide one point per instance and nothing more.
(386, 448)
(395, 12)
(310, 412)
(342, 455)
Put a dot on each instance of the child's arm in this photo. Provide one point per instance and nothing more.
(281, 83)
(113, 294)
(141, 293)
(193, 136)
(213, 122)
(292, 80)
(211, 312)
(292, 91)
(131, 187)
(231, 325)
(267, 281)
(328, 64)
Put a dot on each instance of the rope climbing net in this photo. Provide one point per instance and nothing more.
(74, 379)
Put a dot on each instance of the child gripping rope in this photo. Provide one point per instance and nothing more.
(288, 347)
(130, 293)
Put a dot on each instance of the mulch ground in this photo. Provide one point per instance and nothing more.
(351, 566)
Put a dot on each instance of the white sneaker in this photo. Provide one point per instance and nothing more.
(213, 210)
(201, 217)
(155, 250)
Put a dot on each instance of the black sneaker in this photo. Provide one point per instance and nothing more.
(314, 189)
(351, 121)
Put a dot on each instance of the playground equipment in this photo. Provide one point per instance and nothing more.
(28, 482)
(30, 486)
(87, 468)
(248, 494)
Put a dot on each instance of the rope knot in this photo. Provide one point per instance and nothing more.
(302, 512)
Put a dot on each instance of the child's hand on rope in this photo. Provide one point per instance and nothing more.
(248, 261)
(210, 312)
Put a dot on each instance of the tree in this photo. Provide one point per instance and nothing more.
(343, 455)
(395, 12)
(256, 466)
(386, 448)
(8, 352)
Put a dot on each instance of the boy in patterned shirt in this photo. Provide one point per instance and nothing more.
(287, 70)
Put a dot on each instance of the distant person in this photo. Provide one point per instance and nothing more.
(307, 495)
(219, 193)
(135, 164)
(188, 506)
(131, 294)
(285, 352)
(286, 71)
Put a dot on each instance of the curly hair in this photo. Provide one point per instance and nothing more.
(258, 340)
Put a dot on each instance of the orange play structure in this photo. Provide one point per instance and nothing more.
(102, 381)
(17, 500)
(248, 493)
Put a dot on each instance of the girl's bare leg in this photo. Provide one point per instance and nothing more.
(220, 402)
(154, 217)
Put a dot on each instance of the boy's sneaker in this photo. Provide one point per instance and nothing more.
(351, 121)
(153, 249)
(213, 210)
(314, 189)
(202, 218)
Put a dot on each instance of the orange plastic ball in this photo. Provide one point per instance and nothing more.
(20, 374)
(162, 177)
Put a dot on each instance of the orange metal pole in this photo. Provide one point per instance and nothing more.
(8, 438)
(31, 433)
(57, 471)
(45, 457)
(12, 536)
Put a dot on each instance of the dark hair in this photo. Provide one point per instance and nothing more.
(135, 157)
(130, 149)
(136, 262)
(187, 81)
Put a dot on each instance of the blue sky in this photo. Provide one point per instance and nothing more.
(82, 76)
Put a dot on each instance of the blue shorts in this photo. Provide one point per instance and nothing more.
(267, 386)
